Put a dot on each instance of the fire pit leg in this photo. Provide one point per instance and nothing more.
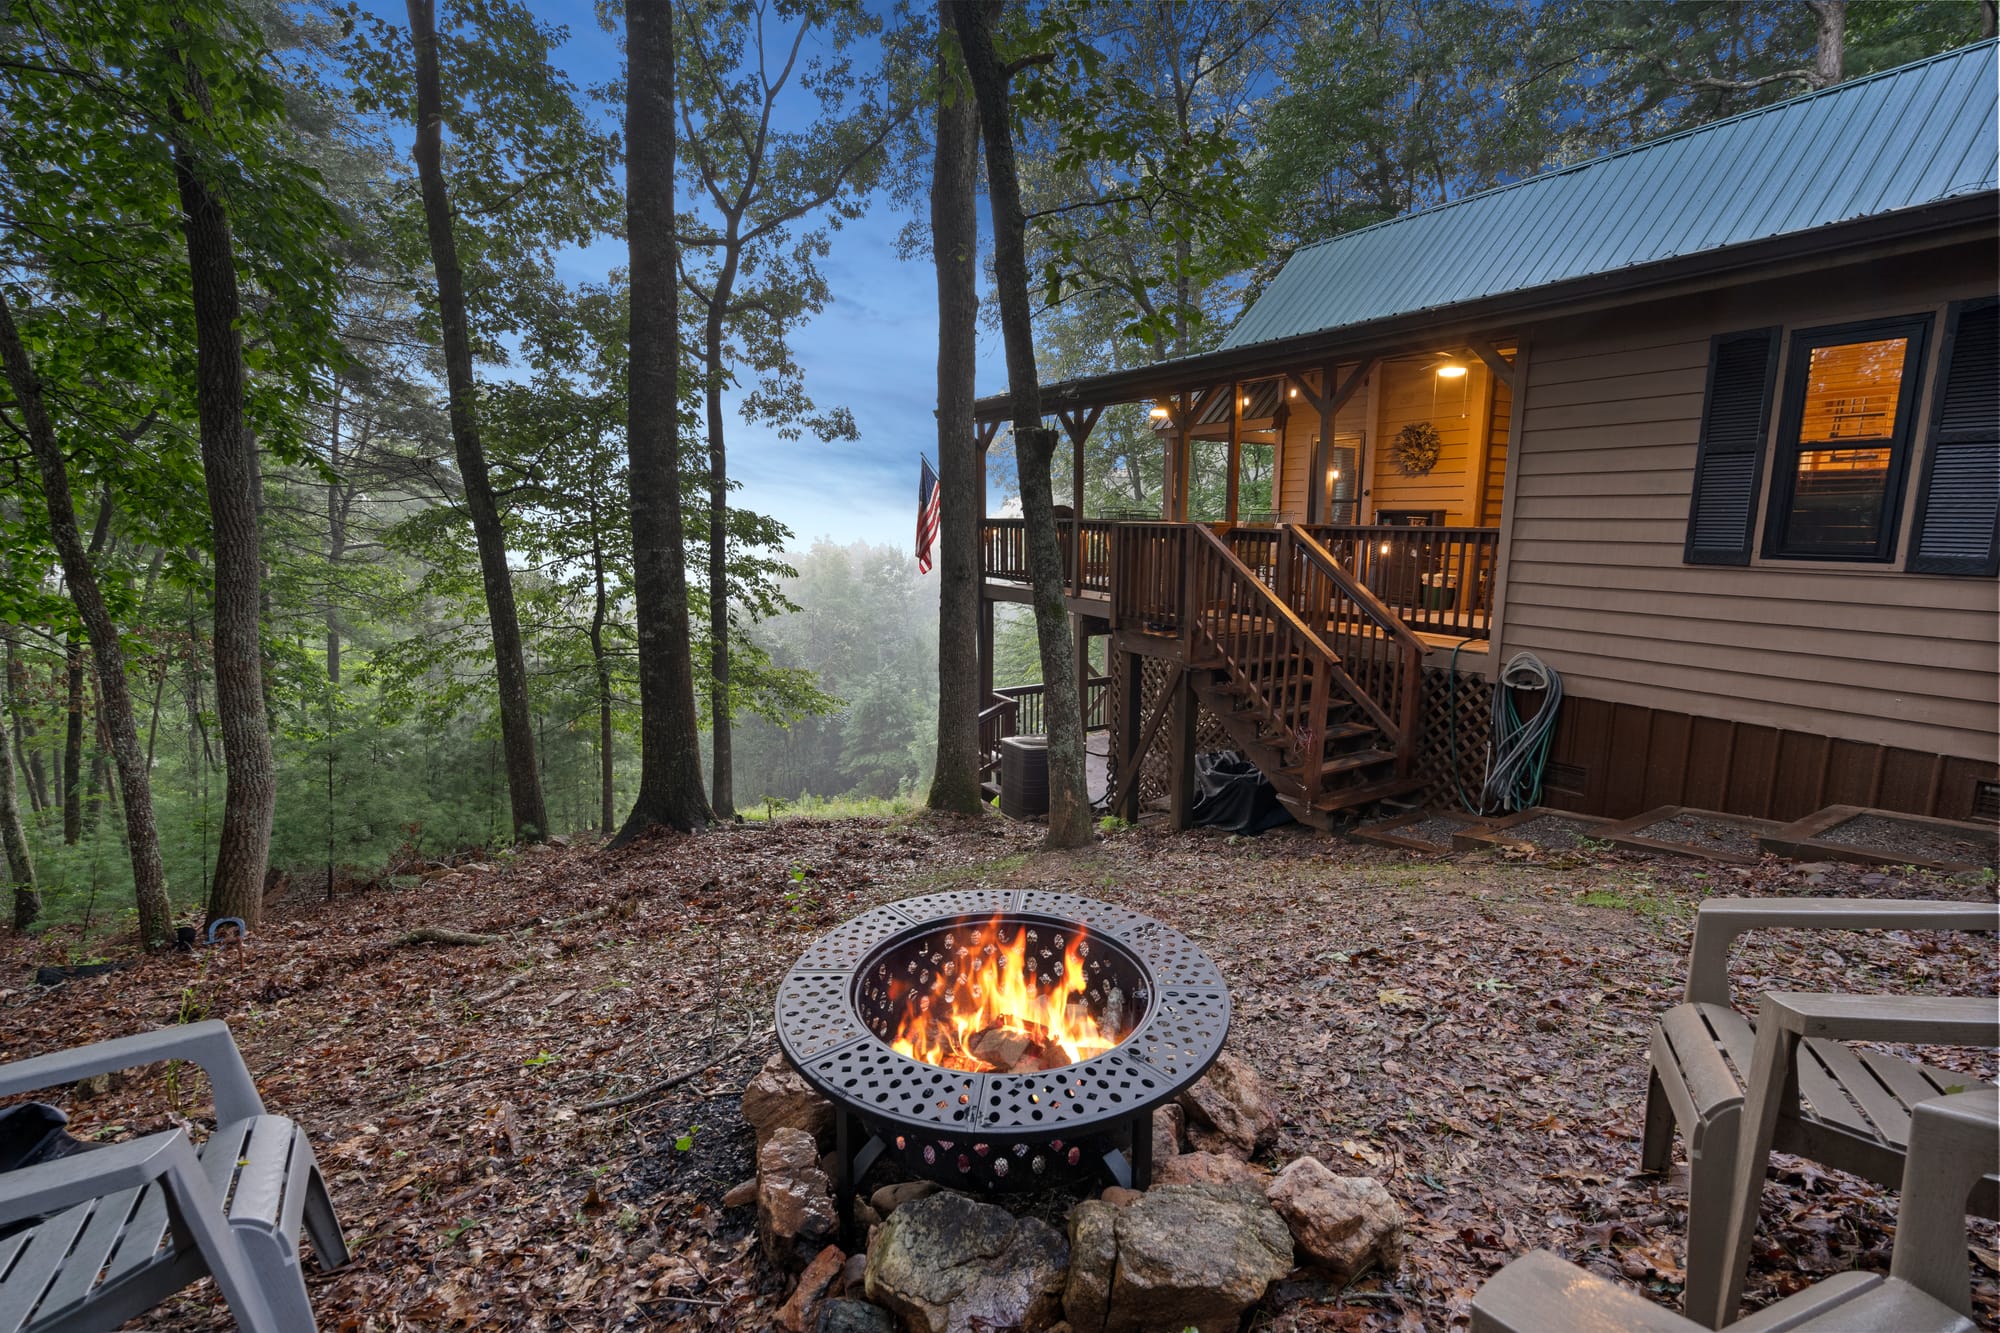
(850, 1167)
(1142, 1152)
(843, 1173)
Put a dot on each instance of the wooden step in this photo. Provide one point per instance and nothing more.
(1341, 765)
(1347, 798)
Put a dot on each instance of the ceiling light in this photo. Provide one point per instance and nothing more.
(1295, 391)
(1160, 412)
(1450, 370)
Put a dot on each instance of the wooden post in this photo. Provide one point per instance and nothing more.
(1180, 777)
(1479, 439)
(1128, 669)
(1235, 450)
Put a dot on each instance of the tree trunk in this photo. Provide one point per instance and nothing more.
(149, 877)
(722, 797)
(229, 469)
(1830, 51)
(336, 537)
(602, 664)
(25, 731)
(517, 728)
(72, 770)
(955, 252)
(14, 842)
(669, 761)
(1034, 443)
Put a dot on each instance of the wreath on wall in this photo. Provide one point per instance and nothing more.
(1416, 448)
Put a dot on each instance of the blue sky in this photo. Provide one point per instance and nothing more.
(873, 350)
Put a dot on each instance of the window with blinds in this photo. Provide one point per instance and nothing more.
(1843, 442)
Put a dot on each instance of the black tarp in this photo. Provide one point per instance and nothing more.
(1231, 793)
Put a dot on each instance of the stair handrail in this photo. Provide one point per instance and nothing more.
(1406, 644)
(1312, 706)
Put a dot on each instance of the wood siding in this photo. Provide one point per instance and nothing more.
(1863, 654)
(1619, 760)
(1411, 392)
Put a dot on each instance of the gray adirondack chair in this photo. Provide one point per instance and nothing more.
(136, 1226)
(1854, 1106)
(1954, 1142)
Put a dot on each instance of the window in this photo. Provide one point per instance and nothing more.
(1843, 442)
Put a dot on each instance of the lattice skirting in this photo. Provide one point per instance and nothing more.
(1473, 710)
(1472, 707)
(1155, 769)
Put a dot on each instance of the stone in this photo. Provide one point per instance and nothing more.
(853, 1274)
(777, 1098)
(850, 1316)
(1207, 1168)
(865, 1216)
(1118, 1196)
(1228, 1111)
(950, 1264)
(1184, 1256)
(891, 1197)
(795, 1213)
(1343, 1224)
(1169, 1123)
(800, 1313)
(740, 1194)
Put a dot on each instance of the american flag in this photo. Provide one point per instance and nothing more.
(928, 500)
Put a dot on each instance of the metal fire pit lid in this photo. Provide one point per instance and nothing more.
(1186, 1020)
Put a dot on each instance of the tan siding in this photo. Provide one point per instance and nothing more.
(1295, 462)
(1410, 392)
(1596, 582)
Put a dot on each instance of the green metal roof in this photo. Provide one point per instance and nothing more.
(1916, 135)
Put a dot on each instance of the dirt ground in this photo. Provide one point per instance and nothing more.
(1470, 1030)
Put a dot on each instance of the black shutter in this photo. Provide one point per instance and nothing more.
(1742, 369)
(1958, 505)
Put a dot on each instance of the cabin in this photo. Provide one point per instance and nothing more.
(1708, 426)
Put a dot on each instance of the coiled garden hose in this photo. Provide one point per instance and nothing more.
(1520, 750)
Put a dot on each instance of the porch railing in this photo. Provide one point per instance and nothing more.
(1438, 580)
(1018, 710)
(1085, 546)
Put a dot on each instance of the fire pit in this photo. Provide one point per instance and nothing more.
(1001, 1039)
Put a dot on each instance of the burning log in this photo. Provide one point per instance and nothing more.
(1025, 1049)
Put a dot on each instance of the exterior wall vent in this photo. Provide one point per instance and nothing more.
(1986, 800)
(1567, 777)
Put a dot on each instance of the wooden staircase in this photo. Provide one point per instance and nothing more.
(1313, 678)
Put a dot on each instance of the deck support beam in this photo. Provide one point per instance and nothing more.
(1077, 423)
(1502, 368)
(1180, 761)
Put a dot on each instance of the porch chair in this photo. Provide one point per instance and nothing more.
(101, 1260)
(1954, 1142)
(1856, 1111)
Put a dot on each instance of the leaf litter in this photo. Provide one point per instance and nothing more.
(1472, 1031)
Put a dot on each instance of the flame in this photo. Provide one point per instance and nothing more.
(989, 983)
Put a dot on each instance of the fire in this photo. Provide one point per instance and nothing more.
(996, 1004)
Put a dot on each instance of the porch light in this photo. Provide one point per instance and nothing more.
(1159, 412)
(1385, 548)
(1451, 370)
(1295, 391)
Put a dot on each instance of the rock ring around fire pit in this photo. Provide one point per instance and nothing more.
(1106, 1015)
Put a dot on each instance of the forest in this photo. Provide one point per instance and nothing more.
(342, 527)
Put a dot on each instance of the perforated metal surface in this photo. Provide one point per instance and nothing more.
(826, 1004)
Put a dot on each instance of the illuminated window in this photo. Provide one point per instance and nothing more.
(1842, 443)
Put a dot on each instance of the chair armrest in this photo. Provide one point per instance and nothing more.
(1720, 920)
(1954, 1142)
(207, 1045)
(50, 1186)
(1929, 1020)
(1539, 1293)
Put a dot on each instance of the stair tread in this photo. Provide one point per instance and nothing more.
(1347, 797)
(1344, 763)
